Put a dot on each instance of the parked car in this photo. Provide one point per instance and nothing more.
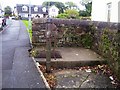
(13, 17)
(1, 20)
(4, 22)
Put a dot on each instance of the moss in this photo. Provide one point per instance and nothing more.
(109, 48)
(87, 40)
(34, 53)
(105, 42)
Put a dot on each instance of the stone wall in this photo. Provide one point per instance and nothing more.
(38, 32)
(102, 37)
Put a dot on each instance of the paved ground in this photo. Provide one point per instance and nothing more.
(18, 69)
(76, 54)
(81, 79)
(73, 57)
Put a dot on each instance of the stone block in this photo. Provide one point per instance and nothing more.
(39, 20)
(35, 39)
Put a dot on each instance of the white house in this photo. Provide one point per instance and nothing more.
(23, 10)
(53, 11)
(106, 10)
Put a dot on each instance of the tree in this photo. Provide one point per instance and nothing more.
(72, 13)
(88, 6)
(70, 5)
(83, 13)
(8, 11)
(59, 5)
(47, 3)
(83, 2)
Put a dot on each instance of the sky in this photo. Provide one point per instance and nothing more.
(13, 3)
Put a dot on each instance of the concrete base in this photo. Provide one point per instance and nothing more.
(74, 57)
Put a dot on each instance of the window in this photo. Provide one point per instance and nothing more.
(44, 9)
(53, 10)
(24, 8)
(108, 11)
(36, 9)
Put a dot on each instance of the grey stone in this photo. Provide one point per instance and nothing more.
(80, 79)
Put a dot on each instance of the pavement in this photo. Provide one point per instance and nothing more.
(79, 79)
(18, 69)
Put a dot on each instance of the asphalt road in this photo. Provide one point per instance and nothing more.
(18, 69)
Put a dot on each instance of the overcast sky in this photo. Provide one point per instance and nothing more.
(13, 3)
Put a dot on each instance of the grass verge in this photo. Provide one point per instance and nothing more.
(26, 23)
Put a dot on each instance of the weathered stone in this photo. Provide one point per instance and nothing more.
(81, 79)
(35, 27)
(34, 33)
(35, 39)
(39, 20)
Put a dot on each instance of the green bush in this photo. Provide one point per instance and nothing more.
(62, 15)
(87, 40)
(109, 48)
(70, 13)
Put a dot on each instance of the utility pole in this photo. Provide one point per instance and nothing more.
(48, 54)
(29, 15)
(48, 45)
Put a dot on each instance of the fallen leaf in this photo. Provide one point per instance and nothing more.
(111, 77)
(88, 70)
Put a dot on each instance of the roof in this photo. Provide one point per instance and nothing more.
(38, 11)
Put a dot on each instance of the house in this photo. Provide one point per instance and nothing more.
(15, 11)
(106, 10)
(53, 11)
(23, 10)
